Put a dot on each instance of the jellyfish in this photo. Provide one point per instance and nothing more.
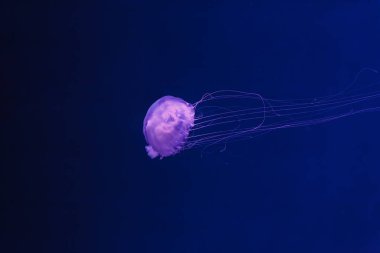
(173, 125)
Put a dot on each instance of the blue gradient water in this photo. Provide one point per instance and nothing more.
(80, 78)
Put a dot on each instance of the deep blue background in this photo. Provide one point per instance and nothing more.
(77, 79)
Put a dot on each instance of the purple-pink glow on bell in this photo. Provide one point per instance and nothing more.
(167, 125)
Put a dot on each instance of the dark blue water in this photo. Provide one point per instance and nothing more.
(79, 77)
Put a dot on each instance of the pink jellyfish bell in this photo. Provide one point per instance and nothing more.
(166, 126)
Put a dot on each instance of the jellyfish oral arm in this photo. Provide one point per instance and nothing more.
(229, 124)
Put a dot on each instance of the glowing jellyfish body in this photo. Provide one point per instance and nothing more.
(167, 125)
(172, 125)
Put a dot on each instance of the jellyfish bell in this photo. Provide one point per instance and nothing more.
(167, 125)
